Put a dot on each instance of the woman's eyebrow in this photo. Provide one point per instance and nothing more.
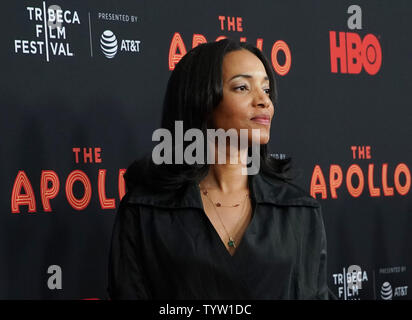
(246, 76)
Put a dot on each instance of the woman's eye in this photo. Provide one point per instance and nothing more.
(241, 88)
(267, 91)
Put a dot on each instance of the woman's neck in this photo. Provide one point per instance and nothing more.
(227, 178)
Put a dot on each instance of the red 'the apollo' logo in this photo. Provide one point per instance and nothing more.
(280, 55)
(353, 52)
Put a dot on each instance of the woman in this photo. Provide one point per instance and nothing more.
(207, 231)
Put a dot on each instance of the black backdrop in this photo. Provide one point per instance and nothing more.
(79, 98)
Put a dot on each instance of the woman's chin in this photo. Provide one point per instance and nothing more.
(262, 140)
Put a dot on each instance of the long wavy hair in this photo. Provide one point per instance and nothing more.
(194, 90)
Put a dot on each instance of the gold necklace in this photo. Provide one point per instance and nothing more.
(231, 243)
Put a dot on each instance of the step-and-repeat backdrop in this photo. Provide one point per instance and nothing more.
(82, 85)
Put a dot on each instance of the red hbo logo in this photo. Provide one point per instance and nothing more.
(353, 53)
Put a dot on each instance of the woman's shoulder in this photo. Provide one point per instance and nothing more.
(283, 192)
(142, 193)
(304, 211)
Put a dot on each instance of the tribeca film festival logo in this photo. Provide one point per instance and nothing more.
(50, 34)
(280, 54)
(51, 30)
(194, 153)
(353, 52)
(350, 282)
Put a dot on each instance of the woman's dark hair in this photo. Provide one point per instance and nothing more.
(194, 89)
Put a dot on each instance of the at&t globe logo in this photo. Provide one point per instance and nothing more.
(386, 291)
(108, 43)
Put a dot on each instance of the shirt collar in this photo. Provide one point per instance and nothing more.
(264, 190)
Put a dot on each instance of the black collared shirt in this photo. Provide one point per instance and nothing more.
(165, 247)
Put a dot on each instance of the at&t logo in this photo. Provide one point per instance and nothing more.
(108, 44)
(386, 291)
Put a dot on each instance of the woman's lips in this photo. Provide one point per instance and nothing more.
(262, 120)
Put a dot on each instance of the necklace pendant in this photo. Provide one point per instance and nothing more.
(231, 243)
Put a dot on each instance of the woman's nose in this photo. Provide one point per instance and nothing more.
(261, 99)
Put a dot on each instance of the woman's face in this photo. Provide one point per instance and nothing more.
(246, 103)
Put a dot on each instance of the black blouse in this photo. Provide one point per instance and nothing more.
(165, 247)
